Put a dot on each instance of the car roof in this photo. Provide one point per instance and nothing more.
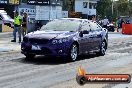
(76, 19)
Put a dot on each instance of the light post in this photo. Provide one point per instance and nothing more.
(112, 6)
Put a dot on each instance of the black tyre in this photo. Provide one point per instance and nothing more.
(29, 56)
(102, 49)
(73, 53)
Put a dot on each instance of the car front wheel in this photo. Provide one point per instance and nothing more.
(102, 49)
(73, 52)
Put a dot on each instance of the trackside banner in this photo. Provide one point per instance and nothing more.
(83, 78)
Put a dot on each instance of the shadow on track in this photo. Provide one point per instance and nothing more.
(42, 60)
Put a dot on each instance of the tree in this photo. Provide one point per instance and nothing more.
(104, 8)
(68, 5)
(130, 9)
(120, 8)
(123, 7)
(24, 1)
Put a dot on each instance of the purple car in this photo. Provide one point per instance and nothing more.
(66, 37)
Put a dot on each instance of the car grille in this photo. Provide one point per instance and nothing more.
(38, 41)
(35, 41)
(43, 51)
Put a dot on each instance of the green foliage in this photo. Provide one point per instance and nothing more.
(24, 1)
(120, 8)
(104, 8)
(123, 7)
(68, 5)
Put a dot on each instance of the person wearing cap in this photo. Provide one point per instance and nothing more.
(17, 27)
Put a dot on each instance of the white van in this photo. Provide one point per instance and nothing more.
(5, 18)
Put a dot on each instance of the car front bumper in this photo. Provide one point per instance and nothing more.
(48, 50)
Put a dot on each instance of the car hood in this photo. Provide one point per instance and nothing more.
(50, 34)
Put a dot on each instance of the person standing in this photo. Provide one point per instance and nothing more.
(105, 22)
(122, 21)
(119, 22)
(21, 15)
(17, 27)
(24, 24)
(93, 18)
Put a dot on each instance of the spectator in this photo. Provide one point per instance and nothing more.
(105, 22)
(119, 22)
(93, 18)
(24, 24)
(122, 21)
(21, 15)
(17, 26)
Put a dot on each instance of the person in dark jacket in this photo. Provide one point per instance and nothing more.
(24, 24)
(122, 21)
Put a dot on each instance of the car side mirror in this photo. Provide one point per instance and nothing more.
(83, 32)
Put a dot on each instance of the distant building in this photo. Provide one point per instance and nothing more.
(40, 11)
(8, 6)
(86, 7)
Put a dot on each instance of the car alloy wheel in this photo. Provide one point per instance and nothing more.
(102, 49)
(74, 52)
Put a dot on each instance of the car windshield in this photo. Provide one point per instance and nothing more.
(61, 25)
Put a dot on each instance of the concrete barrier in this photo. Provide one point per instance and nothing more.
(127, 29)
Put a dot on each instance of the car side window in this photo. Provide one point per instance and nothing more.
(94, 26)
(86, 26)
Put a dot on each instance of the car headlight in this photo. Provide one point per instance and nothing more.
(59, 41)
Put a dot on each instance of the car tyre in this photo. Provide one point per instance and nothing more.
(102, 49)
(29, 56)
(73, 52)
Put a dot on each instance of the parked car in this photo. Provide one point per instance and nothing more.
(6, 19)
(66, 37)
